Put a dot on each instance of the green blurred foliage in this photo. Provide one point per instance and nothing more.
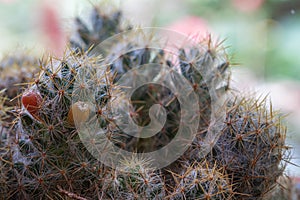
(266, 40)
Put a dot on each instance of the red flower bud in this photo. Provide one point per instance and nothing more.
(32, 101)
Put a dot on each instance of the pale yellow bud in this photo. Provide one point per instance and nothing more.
(78, 113)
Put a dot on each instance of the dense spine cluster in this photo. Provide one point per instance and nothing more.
(251, 147)
(139, 181)
(43, 157)
(201, 181)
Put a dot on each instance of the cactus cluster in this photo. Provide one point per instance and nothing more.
(43, 157)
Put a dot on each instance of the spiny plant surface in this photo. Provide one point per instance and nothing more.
(3, 108)
(99, 27)
(251, 147)
(201, 181)
(138, 182)
(46, 159)
(16, 70)
(45, 151)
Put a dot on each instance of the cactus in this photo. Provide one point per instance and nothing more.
(200, 181)
(251, 148)
(138, 182)
(45, 158)
(44, 151)
(100, 27)
(3, 108)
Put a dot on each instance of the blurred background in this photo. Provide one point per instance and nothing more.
(263, 37)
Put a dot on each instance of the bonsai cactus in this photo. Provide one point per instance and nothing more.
(43, 155)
